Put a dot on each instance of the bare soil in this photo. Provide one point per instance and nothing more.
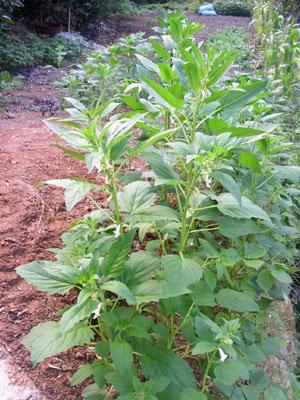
(33, 219)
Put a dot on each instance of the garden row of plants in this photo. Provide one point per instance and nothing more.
(177, 278)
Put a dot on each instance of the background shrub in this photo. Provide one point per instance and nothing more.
(24, 53)
(239, 8)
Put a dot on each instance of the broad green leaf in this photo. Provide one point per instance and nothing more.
(148, 64)
(181, 272)
(235, 99)
(121, 290)
(161, 213)
(230, 371)
(250, 160)
(46, 339)
(80, 311)
(155, 290)
(291, 173)
(77, 104)
(209, 250)
(192, 394)
(163, 172)
(159, 49)
(203, 348)
(228, 183)
(162, 95)
(265, 279)
(49, 276)
(220, 66)
(121, 354)
(84, 372)
(166, 72)
(202, 295)
(136, 197)
(113, 263)
(280, 274)
(233, 228)
(275, 392)
(256, 264)
(236, 301)
(140, 267)
(152, 140)
(228, 205)
(75, 190)
(164, 362)
(193, 74)
(255, 354)
(253, 251)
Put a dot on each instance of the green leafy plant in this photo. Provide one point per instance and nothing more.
(239, 8)
(175, 277)
(16, 53)
(234, 39)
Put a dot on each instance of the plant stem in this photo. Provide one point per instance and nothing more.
(209, 364)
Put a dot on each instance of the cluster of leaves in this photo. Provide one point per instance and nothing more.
(238, 8)
(234, 39)
(279, 52)
(106, 73)
(20, 53)
(176, 277)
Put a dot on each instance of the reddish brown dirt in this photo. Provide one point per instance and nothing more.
(118, 26)
(32, 220)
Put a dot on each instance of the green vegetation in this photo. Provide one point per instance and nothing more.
(21, 53)
(234, 39)
(239, 8)
(175, 278)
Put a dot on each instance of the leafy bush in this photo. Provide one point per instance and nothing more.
(180, 269)
(17, 53)
(235, 39)
(106, 73)
(239, 8)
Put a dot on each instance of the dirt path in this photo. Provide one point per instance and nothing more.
(32, 220)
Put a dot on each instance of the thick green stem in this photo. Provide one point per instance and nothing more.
(114, 193)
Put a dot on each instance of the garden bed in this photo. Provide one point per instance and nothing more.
(34, 218)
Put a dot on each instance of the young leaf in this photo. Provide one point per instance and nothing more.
(250, 160)
(80, 311)
(46, 339)
(236, 301)
(49, 276)
(162, 95)
(113, 262)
